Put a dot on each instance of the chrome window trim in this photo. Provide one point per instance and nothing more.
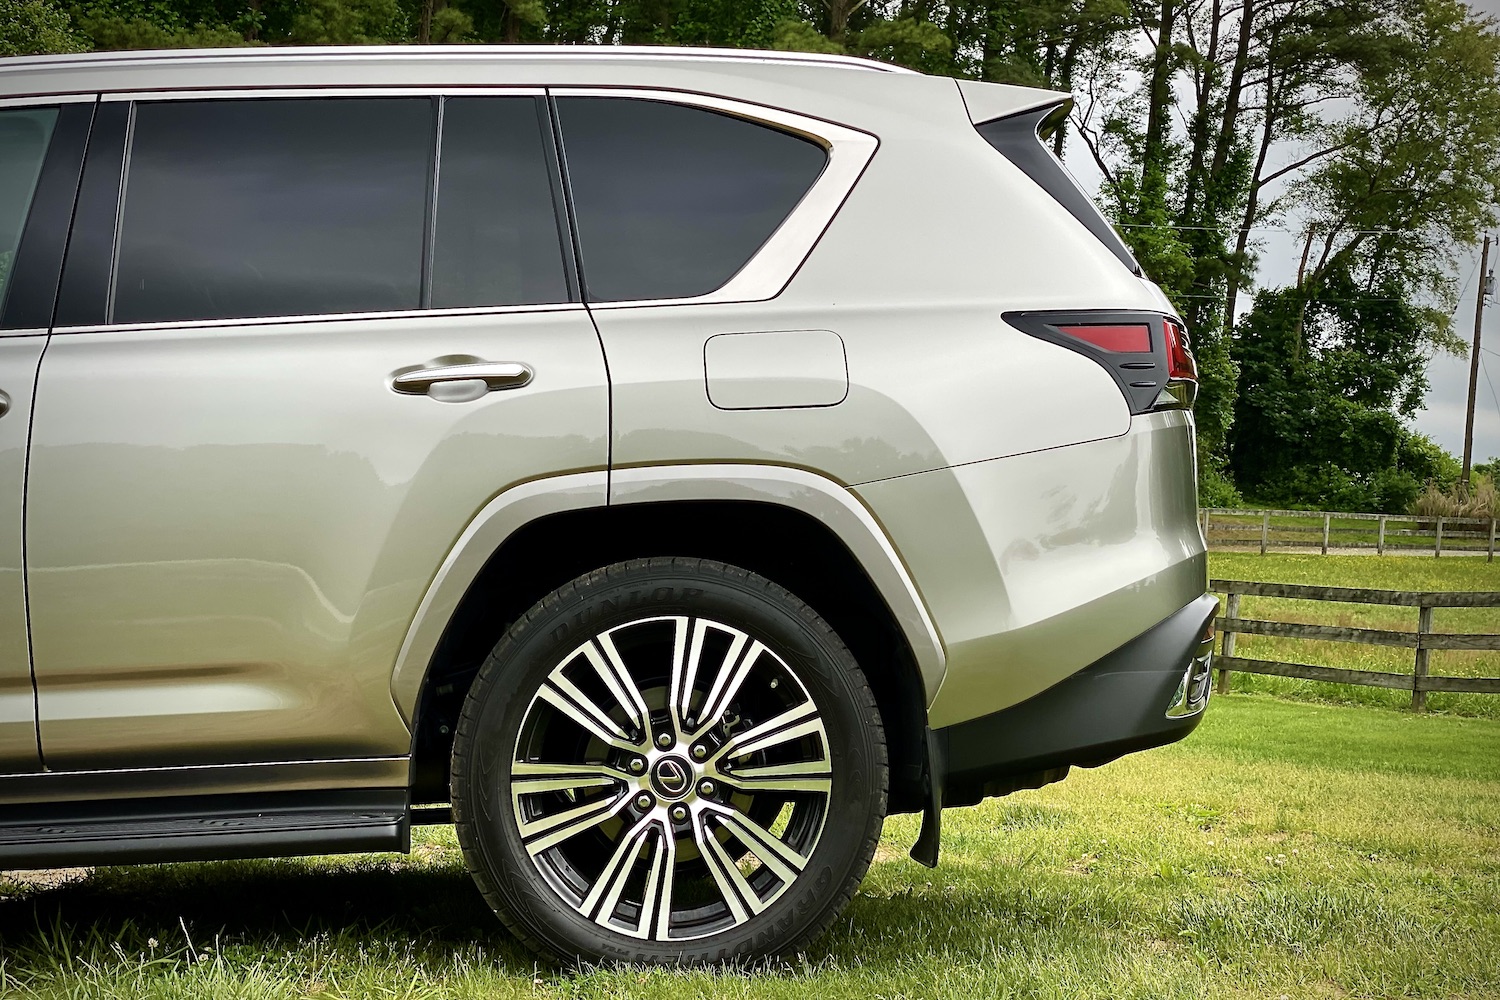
(316, 91)
(766, 273)
(36, 332)
(47, 100)
(414, 314)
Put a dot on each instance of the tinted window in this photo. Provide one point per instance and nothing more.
(274, 208)
(671, 201)
(24, 135)
(497, 237)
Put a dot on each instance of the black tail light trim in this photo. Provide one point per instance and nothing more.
(1143, 376)
(1019, 138)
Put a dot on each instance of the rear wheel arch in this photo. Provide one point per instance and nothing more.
(783, 543)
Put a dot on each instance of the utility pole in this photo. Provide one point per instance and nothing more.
(1484, 270)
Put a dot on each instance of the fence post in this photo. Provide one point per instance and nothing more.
(1491, 556)
(1231, 611)
(1380, 539)
(1325, 534)
(1265, 529)
(1419, 670)
(1437, 542)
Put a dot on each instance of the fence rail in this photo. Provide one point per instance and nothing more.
(1422, 641)
(1230, 527)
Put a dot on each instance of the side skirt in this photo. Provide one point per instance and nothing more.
(203, 828)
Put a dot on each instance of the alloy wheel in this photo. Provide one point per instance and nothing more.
(671, 778)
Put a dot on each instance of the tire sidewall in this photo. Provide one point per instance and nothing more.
(604, 600)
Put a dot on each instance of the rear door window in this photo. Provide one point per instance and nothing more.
(670, 200)
(24, 135)
(275, 207)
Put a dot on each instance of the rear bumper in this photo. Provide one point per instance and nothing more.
(1148, 692)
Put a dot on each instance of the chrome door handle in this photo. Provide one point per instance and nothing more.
(494, 374)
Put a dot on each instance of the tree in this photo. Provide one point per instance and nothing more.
(1326, 386)
(36, 27)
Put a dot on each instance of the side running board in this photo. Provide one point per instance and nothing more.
(203, 828)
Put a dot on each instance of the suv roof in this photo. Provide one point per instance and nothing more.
(47, 73)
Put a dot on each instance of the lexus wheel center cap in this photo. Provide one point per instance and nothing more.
(672, 777)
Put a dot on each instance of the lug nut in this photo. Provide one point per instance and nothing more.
(664, 740)
(637, 764)
(679, 813)
(706, 788)
(643, 801)
(700, 751)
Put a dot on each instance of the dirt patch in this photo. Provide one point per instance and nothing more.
(43, 878)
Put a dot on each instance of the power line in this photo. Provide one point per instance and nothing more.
(1485, 369)
(1383, 231)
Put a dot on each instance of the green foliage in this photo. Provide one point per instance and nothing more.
(1215, 488)
(115, 32)
(348, 22)
(450, 26)
(794, 35)
(1325, 386)
(36, 27)
(907, 42)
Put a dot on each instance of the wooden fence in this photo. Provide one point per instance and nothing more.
(1225, 527)
(1422, 641)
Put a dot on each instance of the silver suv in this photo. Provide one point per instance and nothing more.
(661, 464)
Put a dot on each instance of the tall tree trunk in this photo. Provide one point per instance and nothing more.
(1202, 114)
(1154, 150)
(1228, 131)
(1252, 197)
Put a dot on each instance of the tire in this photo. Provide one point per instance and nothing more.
(579, 769)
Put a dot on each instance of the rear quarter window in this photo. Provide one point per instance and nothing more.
(671, 201)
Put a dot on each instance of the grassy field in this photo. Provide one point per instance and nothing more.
(1383, 573)
(1284, 850)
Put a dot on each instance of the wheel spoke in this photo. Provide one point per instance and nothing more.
(563, 695)
(732, 674)
(611, 670)
(528, 777)
(656, 903)
(741, 899)
(549, 831)
(685, 669)
(602, 899)
(795, 723)
(772, 852)
(803, 776)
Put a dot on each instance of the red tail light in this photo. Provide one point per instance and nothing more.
(1180, 363)
(1122, 338)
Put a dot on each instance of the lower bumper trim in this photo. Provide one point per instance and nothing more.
(1149, 692)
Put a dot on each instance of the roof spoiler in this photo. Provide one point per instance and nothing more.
(1017, 121)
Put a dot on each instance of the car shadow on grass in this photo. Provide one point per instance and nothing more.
(384, 912)
(433, 914)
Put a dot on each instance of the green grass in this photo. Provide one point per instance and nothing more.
(1283, 849)
(1372, 572)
